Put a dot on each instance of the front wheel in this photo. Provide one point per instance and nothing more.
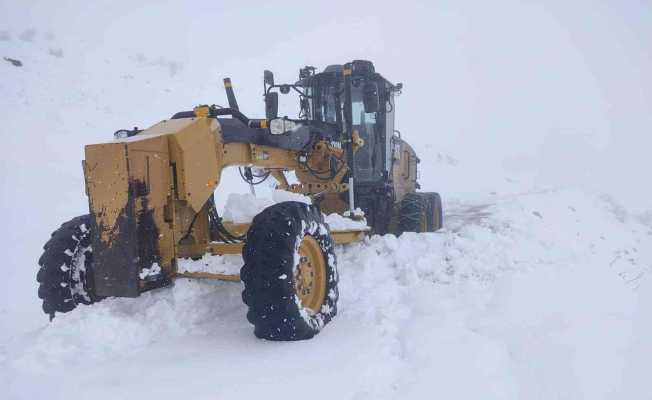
(65, 275)
(289, 273)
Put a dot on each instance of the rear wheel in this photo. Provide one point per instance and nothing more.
(65, 275)
(414, 213)
(436, 211)
(420, 212)
(289, 273)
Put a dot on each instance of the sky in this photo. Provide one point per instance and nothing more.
(556, 93)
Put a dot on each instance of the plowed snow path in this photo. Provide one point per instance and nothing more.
(517, 298)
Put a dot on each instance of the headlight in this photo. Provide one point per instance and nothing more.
(281, 125)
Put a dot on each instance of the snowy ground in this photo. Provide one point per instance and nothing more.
(522, 296)
(538, 287)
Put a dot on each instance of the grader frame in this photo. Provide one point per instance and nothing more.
(149, 195)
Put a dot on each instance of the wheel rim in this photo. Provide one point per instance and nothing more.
(310, 275)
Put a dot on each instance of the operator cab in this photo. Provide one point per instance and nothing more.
(368, 111)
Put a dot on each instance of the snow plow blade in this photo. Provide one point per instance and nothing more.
(121, 179)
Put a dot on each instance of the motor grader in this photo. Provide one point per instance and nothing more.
(152, 195)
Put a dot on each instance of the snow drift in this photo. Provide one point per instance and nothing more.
(508, 302)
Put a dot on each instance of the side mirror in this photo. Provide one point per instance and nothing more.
(268, 77)
(370, 97)
(271, 105)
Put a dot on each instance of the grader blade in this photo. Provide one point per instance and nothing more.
(127, 186)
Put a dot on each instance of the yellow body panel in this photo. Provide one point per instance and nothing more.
(105, 170)
(196, 150)
(149, 194)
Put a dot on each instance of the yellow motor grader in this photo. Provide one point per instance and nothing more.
(152, 200)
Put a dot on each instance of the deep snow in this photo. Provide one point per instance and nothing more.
(537, 137)
(520, 297)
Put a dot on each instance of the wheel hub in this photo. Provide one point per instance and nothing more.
(310, 275)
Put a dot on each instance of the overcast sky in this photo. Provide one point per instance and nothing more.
(560, 87)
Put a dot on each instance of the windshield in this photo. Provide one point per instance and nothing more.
(327, 101)
(327, 97)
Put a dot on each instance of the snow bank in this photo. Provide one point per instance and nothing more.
(510, 297)
(242, 208)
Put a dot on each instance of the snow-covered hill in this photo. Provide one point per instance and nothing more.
(537, 135)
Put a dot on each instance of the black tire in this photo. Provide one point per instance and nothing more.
(270, 264)
(65, 274)
(414, 213)
(436, 211)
